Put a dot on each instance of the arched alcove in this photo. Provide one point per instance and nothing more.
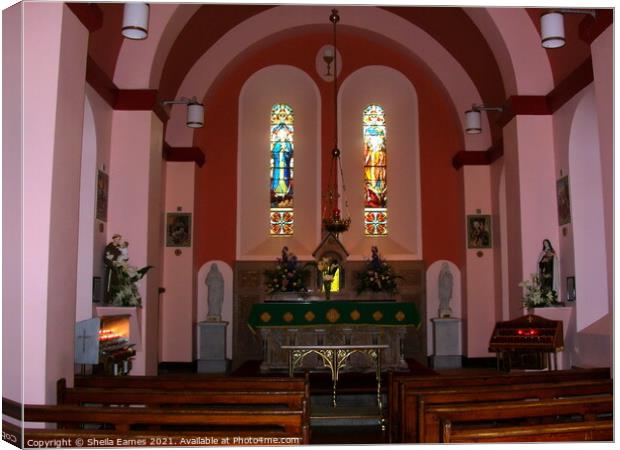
(587, 216)
(432, 296)
(268, 86)
(86, 232)
(391, 90)
(227, 307)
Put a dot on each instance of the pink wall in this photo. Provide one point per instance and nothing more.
(514, 257)
(54, 71)
(135, 211)
(602, 61)
(177, 322)
(12, 314)
(537, 188)
(480, 311)
(102, 113)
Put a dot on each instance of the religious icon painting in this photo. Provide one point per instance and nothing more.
(563, 201)
(178, 230)
(102, 196)
(479, 231)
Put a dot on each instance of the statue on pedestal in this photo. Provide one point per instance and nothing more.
(215, 295)
(444, 289)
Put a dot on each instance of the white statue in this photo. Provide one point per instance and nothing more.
(444, 289)
(215, 295)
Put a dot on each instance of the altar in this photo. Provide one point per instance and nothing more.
(333, 322)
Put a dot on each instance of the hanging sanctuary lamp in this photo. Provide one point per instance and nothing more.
(334, 221)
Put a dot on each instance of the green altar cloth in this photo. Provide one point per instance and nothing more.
(333, 312)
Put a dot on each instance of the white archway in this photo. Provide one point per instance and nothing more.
(277, 84)
(86, 227)
(398, 97)
(587, 215)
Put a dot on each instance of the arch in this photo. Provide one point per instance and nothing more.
(270, 85)
(140, 63)
(399, 99)
(86, 226)
(587, 215)
(200, 78)
(227, 306)
(515, 42)
(432, 297)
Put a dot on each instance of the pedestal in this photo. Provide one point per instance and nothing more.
(447, 343)
(212, 347)
(567, 315)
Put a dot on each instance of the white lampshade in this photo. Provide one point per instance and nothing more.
(136, 20)
(472, 122)
(552, 30)
(328, 52)
(195, 115)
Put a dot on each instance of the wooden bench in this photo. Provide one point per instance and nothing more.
(589, 408)
(589, 430)
(160, 398)
(283, 423)
(398, 384)
(143, 438)
(194, 382)
(480, 394)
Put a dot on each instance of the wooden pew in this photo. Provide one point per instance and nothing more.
(587, 407)
(398, 384)
(142, 438)
(175, 422)
(589, 430)
(161, 398)
(194, 382)
(480, 394)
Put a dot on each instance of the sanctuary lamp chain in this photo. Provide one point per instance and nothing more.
(334, 221)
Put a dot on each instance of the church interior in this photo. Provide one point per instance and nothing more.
(263, 220)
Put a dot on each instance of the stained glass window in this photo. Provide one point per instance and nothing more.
(375, 165)
(281, 170)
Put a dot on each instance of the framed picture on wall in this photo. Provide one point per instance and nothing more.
(178, 229)
(479, 231)
(102, 196)
(563, 201)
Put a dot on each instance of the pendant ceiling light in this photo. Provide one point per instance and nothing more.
(136, 21)
(334, 221)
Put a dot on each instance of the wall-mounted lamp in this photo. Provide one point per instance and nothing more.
(472, 117)
(195, 111)
(328, 57)
(136, 21)
(552, 26)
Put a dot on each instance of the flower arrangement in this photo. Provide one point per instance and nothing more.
(288, 276)
(534, 296)
(378, 276)
(121, 289)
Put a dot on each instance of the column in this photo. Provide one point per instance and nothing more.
(135, 211)
(54, 57)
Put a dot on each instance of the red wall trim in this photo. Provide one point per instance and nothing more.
(571, 85)
(478, 158)
(100, 82)
(89, 14)
(183, 154)
(123, 99)
(531, 105)
(590, 28)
